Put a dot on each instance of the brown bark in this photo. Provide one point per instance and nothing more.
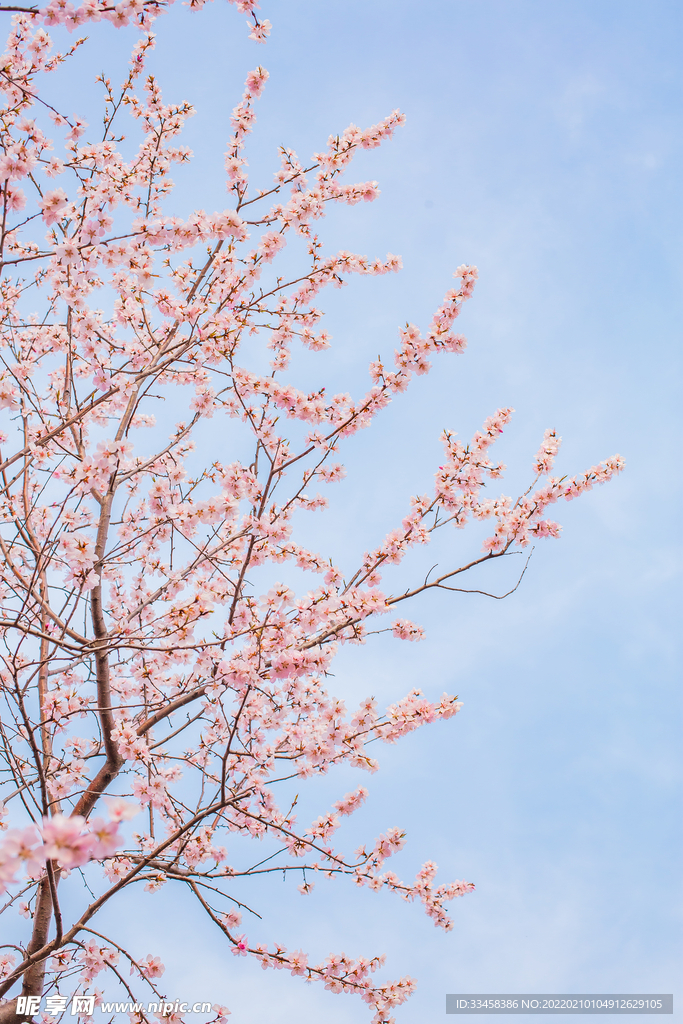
(34, 977)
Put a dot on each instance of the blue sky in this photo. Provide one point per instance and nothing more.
(542, 144)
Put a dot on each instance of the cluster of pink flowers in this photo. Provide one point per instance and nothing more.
(414, 349)
(523, 521)
(66, 840)
(21, 853)
(338, 973)
(150, 643)
(95, 958)
(137, 12)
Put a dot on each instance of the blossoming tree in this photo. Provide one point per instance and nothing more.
(156, 698)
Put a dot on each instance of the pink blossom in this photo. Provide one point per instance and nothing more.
(256, 80)
(119, 809)
(20, 851)
(406, 630)
(7, 962)
(53, 203)
(65, 842)
(151, 966)
(105, 838)
(95, 958)
(352, 800)
(261, 31)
